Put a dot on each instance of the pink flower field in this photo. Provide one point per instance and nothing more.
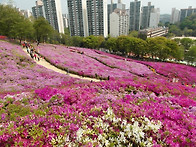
(135, 107)
(186, 74)
(19, 72)
(90, 63)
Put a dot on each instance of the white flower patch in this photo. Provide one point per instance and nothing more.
(109, 130)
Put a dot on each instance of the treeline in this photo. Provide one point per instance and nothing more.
(15, 25)
(159, 48)
(187, 27)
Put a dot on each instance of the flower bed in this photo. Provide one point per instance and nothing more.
(136, 111)
(110, 113)
(19, 72)
(84, 62)
(117, 62)
(185, 74)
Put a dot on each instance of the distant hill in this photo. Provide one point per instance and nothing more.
(165, 18)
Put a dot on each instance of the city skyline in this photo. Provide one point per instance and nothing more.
(165, 6)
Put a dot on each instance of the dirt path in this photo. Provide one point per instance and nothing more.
(45, 64)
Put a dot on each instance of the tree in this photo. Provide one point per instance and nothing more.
(133, 34)
(24, 29)
(187, 32)
(189, 22)
(66, 39)
(13, 24)
(111, 44)
(186, 42)
(175, 30)
(55, 37)
(66, 31)
(91, 42)
(174, 49)
(77, 41)
(190, 56)
(153, 47)
(42, 29)
(157, 47)
(123, 44)
(138, 46)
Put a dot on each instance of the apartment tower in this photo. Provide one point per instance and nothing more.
(119, 23)
(112, 7)
(146, 12)
(186, 12)
(54, 14)
(97, 17)
(135, 15)
(51, 11)
(78, 23)
(175, 16)
(38, 9)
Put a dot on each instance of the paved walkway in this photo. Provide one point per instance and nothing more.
(193, 38)
(45, 64)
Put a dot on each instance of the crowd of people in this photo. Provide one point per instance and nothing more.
(31, 50)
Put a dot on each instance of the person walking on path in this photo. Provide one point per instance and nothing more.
(35, 55)
(38, 57)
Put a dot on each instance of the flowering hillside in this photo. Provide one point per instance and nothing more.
(90, 63)
(109, 113)
(19, 72)
(185, 74)
(133, 108)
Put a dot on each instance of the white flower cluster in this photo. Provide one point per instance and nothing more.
(109, 130)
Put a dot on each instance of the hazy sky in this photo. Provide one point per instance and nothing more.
(164, 5)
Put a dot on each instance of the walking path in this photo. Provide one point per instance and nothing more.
(44, 63)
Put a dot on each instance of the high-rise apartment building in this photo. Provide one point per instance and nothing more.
(154, 18)
(78, 23)
(97, 17)
(175, 16)
(38, 10)
(54, 14)
(51, 10)
(112, 7)
(119, 23)
(146, 12)
(135, 15)
(186, 12)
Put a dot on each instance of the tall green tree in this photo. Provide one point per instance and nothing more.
(24, 29)
(138, 46)
(174, 49)
(9, 17)
(123, 44)
(14, 24)
(111, 44)
(153, 47)
(42, 29)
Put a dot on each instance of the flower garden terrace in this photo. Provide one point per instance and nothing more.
(89, 63)
(116, 112)
(94, 63)
(185, 74)
(144, 109)
(20, 73)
